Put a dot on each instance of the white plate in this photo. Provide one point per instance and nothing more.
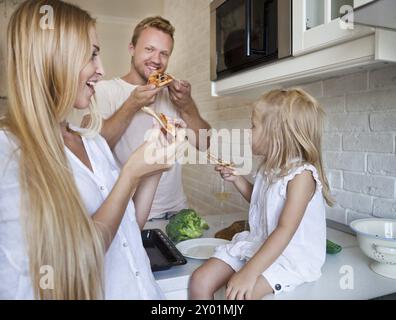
(201, 248)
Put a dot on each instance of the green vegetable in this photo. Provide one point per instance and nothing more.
(332, 248)
(186, 224)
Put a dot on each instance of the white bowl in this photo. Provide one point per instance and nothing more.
(377, 239)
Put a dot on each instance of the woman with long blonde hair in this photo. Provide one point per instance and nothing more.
(68, 228)
(286, 244)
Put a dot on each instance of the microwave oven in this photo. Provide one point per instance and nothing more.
(248, 33)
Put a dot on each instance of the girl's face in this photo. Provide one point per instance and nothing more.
(256, 139)
(89, 75)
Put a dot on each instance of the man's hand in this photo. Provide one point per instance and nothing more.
(115, 126)
(180, 95)
(143, 96)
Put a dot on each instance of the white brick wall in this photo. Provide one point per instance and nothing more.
(368, 142)
(361, 109)
(359, 142)
(360, 130)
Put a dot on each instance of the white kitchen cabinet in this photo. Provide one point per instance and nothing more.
(320, 51)
(316, 24)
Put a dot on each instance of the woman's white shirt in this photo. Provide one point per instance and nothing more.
(127, 273)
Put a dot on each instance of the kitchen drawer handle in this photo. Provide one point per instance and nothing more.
(386, 250)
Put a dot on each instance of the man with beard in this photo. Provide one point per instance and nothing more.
(120, 101)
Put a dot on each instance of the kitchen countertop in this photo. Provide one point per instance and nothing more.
(350, 263)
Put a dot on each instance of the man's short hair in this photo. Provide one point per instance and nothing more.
(153, 22)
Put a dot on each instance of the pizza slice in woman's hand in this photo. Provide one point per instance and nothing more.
(169, 127)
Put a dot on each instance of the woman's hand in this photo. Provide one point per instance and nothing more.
(154, 156)
(227, 173)
(240, 286)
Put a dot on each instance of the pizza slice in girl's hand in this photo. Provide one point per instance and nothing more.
(160, 79)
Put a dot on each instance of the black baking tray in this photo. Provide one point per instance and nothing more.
(161, 251)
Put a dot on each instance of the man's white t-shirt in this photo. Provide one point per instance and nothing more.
(110, 96)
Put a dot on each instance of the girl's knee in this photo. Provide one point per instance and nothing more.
(198, 279)
(199, 284)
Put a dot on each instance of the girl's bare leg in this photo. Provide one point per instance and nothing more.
(209, 278)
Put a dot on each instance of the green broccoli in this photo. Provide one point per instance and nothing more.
(186, 224)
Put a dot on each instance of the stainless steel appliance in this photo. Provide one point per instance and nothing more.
(247, 33)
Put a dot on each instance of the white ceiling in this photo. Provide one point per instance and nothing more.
(131, 9)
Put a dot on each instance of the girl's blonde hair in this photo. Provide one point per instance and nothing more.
(43, 76)
(291, 125)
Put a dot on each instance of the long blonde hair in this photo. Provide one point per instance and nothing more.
(43, 77)
(291, 125)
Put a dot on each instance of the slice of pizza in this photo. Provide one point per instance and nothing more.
(160, 79)
(169, 127)
(219, 161)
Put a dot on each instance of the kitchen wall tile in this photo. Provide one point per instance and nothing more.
(371, 185)
(335, 179)
(314, 88)
(383, 78)
(346, 84)
(352, 216)
(336, 214)
(383, 121)
(385, 208)
(371, 101)
(332, 142)
(333, 105)
(347, 122)
(351, 161)
(382, 165)
(370, 142)
(354, 201)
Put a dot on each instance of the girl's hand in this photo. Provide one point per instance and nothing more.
(228, 174)
(156, 155)
(240, 286)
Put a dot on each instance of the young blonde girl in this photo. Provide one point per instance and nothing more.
(286, 244)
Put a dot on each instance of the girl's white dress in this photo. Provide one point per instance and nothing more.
(304, 256)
